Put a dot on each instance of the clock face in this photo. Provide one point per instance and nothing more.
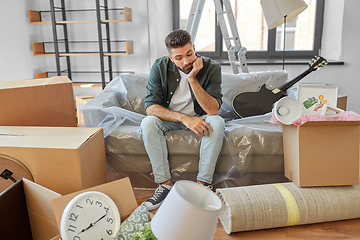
(90, 215)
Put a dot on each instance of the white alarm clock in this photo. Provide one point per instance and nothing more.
(90, 215)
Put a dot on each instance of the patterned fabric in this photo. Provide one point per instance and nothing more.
(130, 226)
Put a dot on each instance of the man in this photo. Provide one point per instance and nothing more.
(183, 92)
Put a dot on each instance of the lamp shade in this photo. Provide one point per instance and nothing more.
(276, 10)
(190, 211)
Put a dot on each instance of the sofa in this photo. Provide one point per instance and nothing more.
(251, 154)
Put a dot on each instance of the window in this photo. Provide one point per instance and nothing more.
(302, 34)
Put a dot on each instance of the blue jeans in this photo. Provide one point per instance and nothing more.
(153, 131)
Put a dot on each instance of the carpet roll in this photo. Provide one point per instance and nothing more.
(286, 204)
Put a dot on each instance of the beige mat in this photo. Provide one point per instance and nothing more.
(278, 205)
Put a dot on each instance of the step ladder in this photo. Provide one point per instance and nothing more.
(236, 54)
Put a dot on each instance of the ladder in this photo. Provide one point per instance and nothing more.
(236, 54)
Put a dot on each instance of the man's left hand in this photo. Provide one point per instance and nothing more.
(197, 66)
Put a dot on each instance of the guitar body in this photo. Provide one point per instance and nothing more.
(249, 104)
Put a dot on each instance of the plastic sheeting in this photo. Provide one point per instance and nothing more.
(251, 152)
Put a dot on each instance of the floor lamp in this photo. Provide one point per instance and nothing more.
(277, 12)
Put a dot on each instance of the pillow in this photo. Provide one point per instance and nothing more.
(131, 225)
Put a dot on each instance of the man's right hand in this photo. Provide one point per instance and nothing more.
(197, 125)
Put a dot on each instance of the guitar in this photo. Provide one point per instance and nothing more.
(248, 104)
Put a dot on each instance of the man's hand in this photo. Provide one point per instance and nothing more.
(197, 66)
(197, 125)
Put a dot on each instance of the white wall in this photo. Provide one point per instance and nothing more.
(16, 60)
(341, 40)
(148, 29)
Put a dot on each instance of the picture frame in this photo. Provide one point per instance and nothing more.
(312, 97)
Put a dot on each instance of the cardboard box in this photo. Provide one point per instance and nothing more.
(322, 153)
(28, 210)
(34, 212)
(82, 100)
(37, 102)
(120, 191)
(63, 159)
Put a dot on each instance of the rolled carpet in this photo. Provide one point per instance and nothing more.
(285, 204)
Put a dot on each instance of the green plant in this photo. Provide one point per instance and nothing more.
(144, 233)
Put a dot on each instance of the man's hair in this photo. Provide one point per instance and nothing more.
(177, 38)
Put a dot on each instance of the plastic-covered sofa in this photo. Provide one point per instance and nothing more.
(252, 150)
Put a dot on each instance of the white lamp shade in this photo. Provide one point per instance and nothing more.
(275, 10)
(190, 211)
(287, 110)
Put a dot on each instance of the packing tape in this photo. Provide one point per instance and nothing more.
(291, 205)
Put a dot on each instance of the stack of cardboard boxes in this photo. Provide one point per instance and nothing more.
(38, 130)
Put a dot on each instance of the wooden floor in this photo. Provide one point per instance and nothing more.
(347, 229)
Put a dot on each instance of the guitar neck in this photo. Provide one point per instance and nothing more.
(289, 84)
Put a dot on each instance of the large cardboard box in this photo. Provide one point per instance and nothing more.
(34, 212)
(37, 102)
(84, 99)
(322, 153)
(63, 159)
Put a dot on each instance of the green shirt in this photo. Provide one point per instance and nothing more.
(165, 78)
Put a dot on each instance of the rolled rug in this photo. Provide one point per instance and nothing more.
(285, 204)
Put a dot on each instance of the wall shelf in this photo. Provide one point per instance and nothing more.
(81, 84)
(39, 50)
(36, 18)
(58, 17)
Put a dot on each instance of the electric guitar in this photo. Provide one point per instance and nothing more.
(248, 104)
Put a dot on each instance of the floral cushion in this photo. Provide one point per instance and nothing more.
(134, 222)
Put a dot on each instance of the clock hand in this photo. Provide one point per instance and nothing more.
(92, 224)
(100, 218)
(85, 229)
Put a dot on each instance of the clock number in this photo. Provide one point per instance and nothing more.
(76, 238)
(98, 203)
(89, 201)
(73, 217)
(79, 206)
(110, 220)
(109, 232)
(106, 209)
(71, 228)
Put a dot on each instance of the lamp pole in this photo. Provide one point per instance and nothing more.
(284, 42)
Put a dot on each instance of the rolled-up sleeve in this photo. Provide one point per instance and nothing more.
(154, 94)
(213, 87)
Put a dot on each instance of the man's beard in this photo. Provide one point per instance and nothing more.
(185, 69)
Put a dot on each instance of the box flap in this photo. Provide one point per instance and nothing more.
(42, 218)
(119, 191)
(45, 137)
(330, 123)
(14, 214)
(33, 82)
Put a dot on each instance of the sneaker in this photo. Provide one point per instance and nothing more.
(209, 186)
(157, 199)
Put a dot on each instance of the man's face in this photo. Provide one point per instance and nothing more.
(183, 57)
